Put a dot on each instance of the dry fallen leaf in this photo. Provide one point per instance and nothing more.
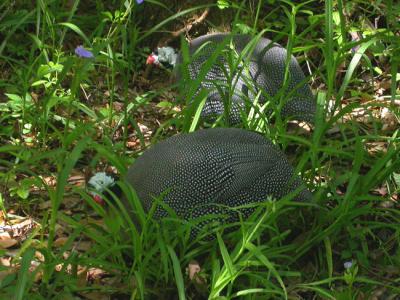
(6, 241)
(5, 261)
(95, 274)
(83, 246)
(45, 205)
(60, 241)
(17, 229)
(389, 120)
(193, 271)
(71, 201)
(82, 277)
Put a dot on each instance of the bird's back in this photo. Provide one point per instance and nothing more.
(261, 68)
(199, 171)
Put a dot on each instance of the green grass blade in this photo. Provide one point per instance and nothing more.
(353, 64)
(328, 252)
(178, 273)
(24, 274)
(257, 253)
(225, 256)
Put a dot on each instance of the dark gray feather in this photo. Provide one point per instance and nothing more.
(204, 169)
(262, 68)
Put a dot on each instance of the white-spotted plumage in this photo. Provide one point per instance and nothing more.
(261, 70)
(201, 172)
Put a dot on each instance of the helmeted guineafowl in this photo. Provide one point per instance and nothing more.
(261, 68)
(200, 172)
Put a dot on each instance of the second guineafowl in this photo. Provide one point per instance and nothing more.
(202, 172)
(261, 69)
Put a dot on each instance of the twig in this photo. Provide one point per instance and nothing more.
(186, 28)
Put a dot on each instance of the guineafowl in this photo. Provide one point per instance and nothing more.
(262, 68)
(211, 170)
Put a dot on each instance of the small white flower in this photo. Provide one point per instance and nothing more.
(348, 264)
(100, 181)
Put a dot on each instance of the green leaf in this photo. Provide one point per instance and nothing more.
(39, 82)
(77, 30)
(45, 70)
(178, 273)
(23, 193)
(14, 97)
(225, 256)
(396, 177)
(165, 104)
(23, 274)
(269, 265)
(222, 4)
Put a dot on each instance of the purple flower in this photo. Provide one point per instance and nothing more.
(139, 1)
(82, 52)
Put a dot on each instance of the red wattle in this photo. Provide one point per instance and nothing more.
(98, 199)
(150, 59)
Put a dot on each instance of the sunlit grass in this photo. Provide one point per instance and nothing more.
(58, 114)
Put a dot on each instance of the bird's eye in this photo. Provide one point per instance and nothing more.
(155, 52)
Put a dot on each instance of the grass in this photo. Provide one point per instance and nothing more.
(62, 116)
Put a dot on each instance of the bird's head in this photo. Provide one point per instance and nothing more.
(165, 56)
(99, 185)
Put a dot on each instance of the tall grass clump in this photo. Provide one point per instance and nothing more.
(73, 100)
